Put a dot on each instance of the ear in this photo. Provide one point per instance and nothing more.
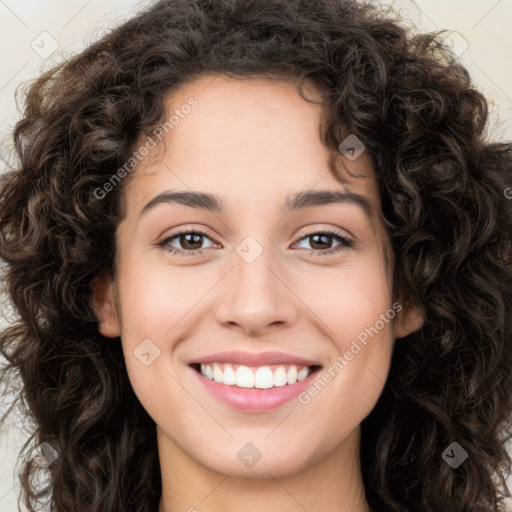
(103, 299)
(409, 319)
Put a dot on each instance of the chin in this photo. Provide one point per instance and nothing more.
(278, 463)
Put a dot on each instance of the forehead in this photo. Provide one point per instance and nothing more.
(251, 137)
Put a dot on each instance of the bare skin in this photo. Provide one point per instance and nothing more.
(253, 144)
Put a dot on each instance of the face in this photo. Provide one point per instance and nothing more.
(262, 272)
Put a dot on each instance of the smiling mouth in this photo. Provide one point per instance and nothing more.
(260, 377)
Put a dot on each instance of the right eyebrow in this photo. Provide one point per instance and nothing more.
(192, 199)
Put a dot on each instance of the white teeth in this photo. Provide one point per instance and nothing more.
(244, 377)
(229, 375)
(217, 373)
(303, 374)
(280, 377)
(263, 377)
(291, 376)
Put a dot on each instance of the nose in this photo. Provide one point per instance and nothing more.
(256, 298)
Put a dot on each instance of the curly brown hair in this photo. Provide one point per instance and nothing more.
(442, 191)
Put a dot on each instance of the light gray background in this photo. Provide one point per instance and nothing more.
(481, 36)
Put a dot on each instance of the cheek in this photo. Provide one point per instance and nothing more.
(158, 303)
(155, 297)
(355, 307)
(350, 299)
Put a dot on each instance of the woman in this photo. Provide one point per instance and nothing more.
(260, 256)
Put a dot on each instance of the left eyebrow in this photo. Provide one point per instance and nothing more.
(309, 198)
(300, 200)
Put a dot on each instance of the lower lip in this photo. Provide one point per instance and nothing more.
(254, 399)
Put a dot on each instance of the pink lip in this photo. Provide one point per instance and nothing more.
(253, 359)
(253, 399)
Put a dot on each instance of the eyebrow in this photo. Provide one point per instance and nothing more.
(300, 200)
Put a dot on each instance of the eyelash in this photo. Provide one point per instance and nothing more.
(345, 243)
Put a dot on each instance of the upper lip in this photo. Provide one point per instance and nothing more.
(254, 359)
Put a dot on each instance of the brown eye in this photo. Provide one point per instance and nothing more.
(321, 242)
(190, 241)
(185, 243)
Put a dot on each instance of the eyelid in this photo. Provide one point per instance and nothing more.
(331, 231)
(165, 240)
(344, 241)
(187, 229)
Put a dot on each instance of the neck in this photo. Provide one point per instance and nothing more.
(331, 484)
